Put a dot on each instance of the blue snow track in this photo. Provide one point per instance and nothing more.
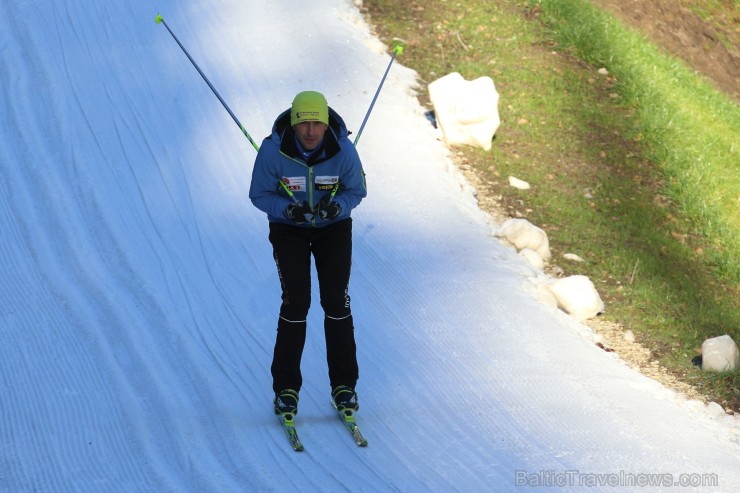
(139, 299)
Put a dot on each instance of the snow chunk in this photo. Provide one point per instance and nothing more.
(523, 234)
(517, 183)
(573, 257)
(533, 258)
(577, 296)
(543, 293)
(719, 354)
(466, 111)
(714, 410)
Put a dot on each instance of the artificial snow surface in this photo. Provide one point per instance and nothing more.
(139, 299)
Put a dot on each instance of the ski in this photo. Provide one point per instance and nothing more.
(286, 420)
(348, 418)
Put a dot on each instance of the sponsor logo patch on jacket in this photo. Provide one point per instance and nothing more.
(325, 182)
(295, 183)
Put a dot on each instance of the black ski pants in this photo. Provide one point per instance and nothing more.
(331, 248)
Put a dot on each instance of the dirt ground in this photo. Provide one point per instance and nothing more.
(711, 46)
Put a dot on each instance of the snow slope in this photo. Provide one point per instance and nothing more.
(138, 300)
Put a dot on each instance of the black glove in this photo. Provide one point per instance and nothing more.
(327, 208)
(299, 213)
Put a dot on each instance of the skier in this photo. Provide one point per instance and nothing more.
(308, 177)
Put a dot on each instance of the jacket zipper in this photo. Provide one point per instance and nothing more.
(309, 185)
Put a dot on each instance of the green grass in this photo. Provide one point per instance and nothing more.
(690, 130)
(652, 145)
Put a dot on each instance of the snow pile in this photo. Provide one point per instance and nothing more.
(466, 111)
(522, 234)
(575, 295)
(719, 354)
(533, 258)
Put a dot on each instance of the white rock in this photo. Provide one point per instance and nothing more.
(533, 258)
(577, 296)
(603, 71)
(629, 336)
(466, 111)
(517, 183)
(719, 354)
(573, 257)
(523, 234)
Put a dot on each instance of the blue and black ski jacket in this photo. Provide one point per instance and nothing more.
(335, 166)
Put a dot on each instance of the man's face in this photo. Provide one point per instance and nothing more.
(310, 134)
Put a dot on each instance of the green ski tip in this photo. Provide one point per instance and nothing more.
(398, 45)
(158, 19)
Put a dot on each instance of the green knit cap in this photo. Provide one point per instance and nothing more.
(309, 106)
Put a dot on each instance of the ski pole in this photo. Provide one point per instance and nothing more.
(160, 20)
(309, 215)
(397, 50)
(288, 191)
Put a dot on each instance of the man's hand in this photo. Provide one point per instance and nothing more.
(299, 213)
(327, 209)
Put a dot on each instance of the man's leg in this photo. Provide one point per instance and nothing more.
(332, 249)
(291, 250)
